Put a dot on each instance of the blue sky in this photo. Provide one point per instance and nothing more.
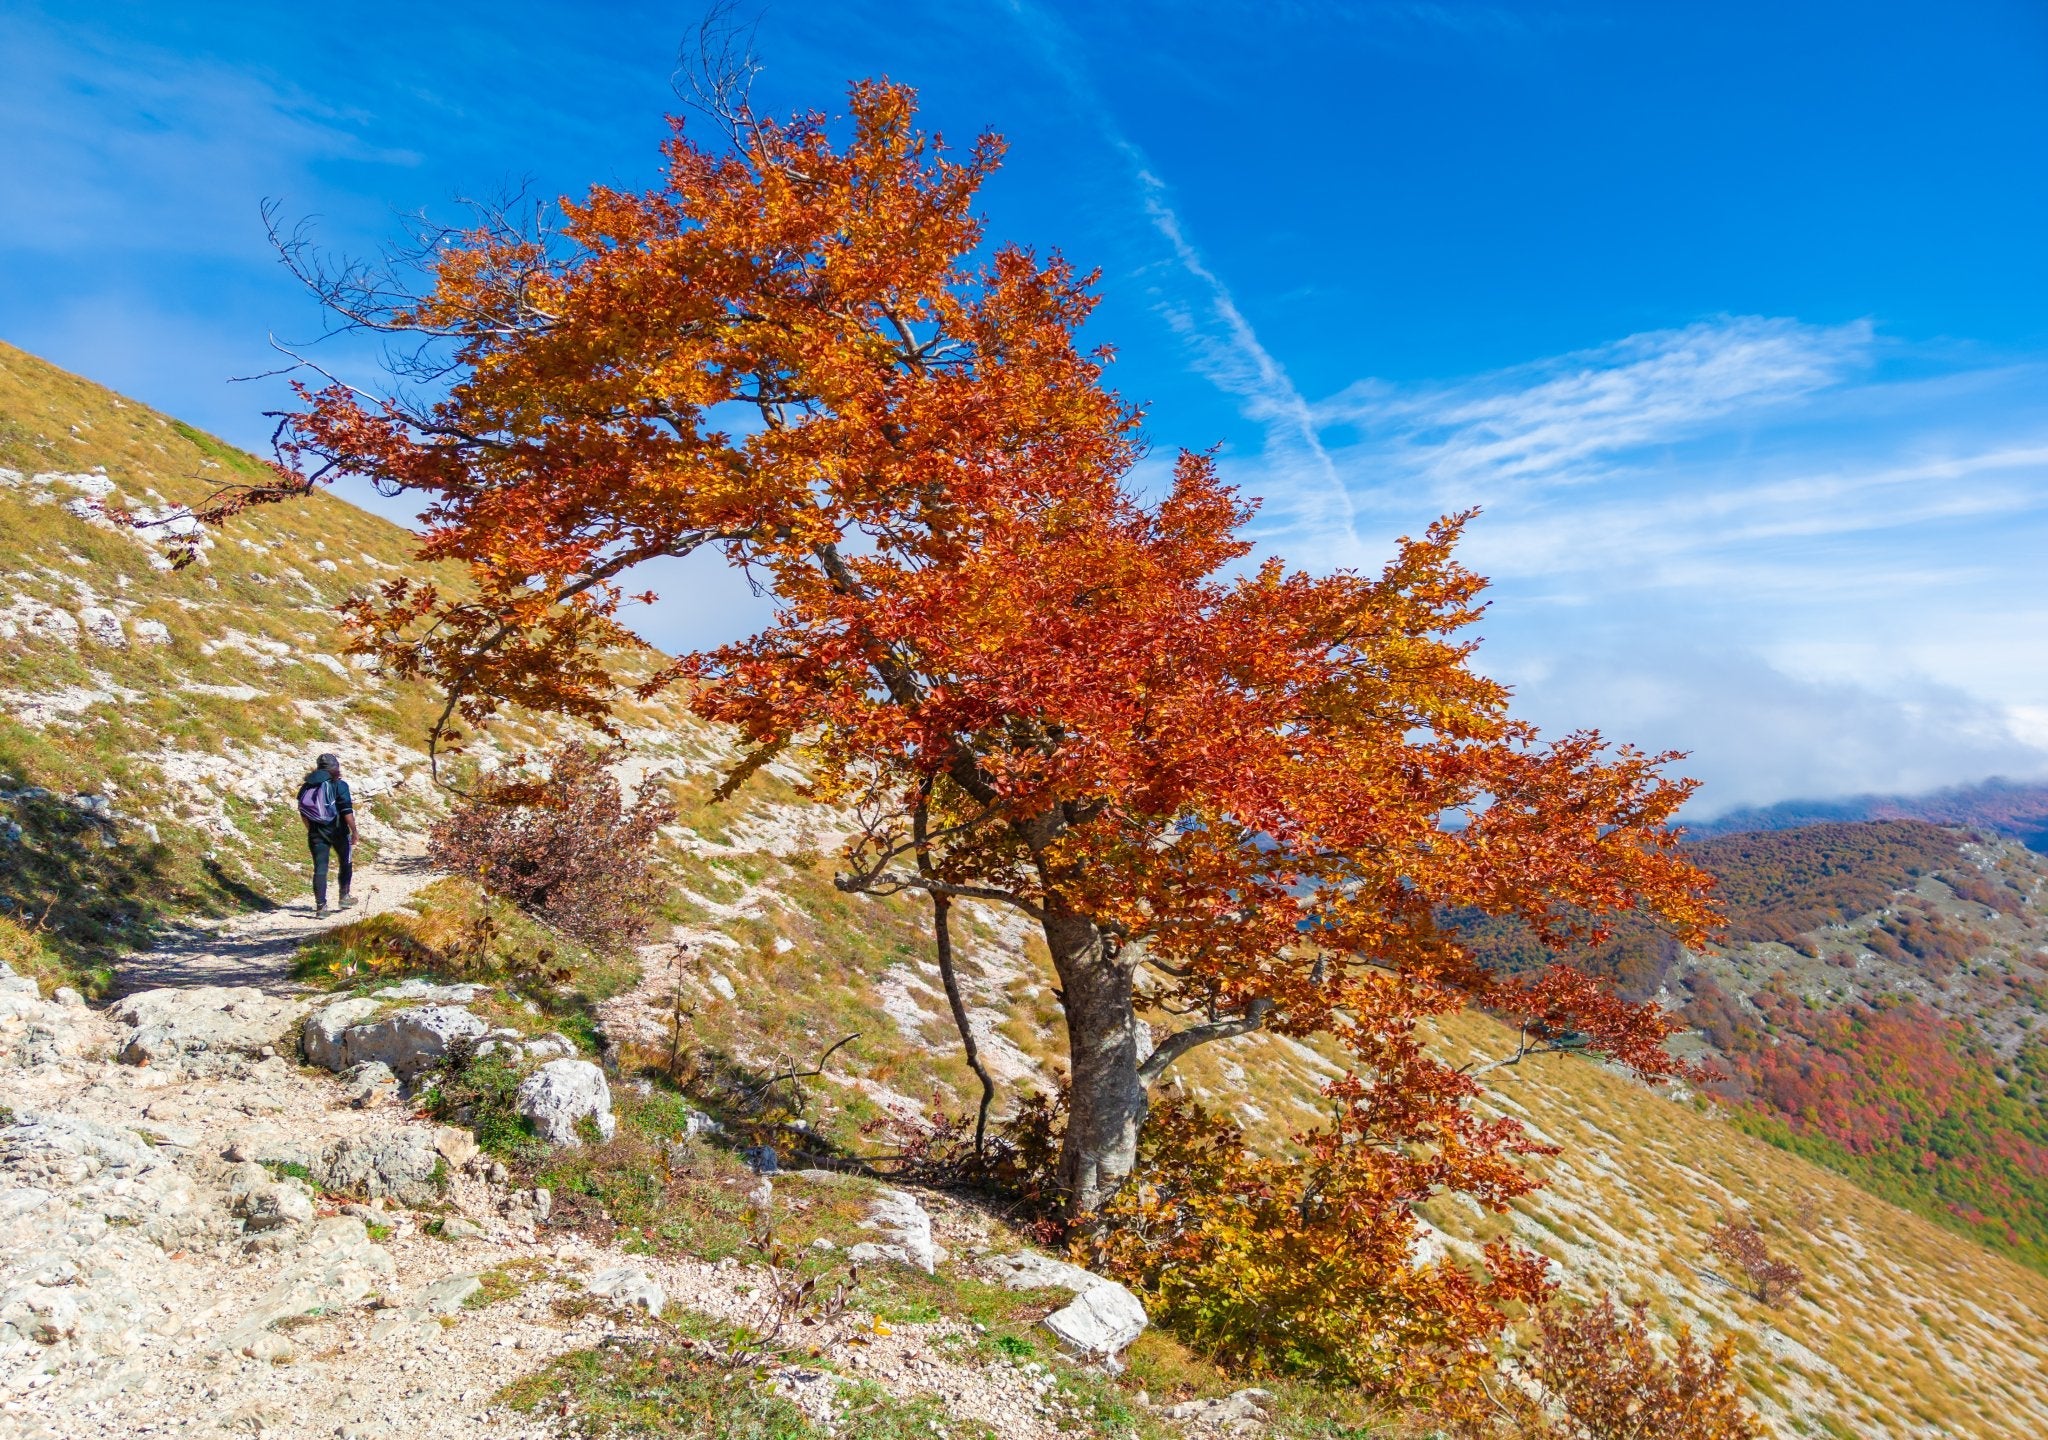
(1734, 318)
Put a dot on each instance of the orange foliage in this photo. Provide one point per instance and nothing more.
(1310, 1264)
(1261, 787)
(1598, 1376)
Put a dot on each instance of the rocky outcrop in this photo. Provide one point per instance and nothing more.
(405, 1166)
(562, 1093)
(178, 1026)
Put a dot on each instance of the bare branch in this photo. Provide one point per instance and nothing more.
(1181, 1041)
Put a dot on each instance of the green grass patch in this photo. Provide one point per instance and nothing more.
(672, 1392)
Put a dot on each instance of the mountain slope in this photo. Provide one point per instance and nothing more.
(2016, 809)
(1906, 1330)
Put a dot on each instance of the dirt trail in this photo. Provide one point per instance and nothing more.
(139, 1293)
(256, 949)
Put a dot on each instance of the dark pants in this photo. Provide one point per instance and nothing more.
(321, 839)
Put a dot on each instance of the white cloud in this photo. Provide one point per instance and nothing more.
(1756, 734)
(1809, 555)
(117, 144)
(1556, 422)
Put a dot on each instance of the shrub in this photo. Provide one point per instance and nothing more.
(1597, 1375)
(1766, 1277)
(562, 845)
(1309, 1264)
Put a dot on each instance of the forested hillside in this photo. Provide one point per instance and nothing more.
(2017, 809)
(1875, 1003)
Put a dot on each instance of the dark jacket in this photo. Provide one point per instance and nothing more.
(343, 801)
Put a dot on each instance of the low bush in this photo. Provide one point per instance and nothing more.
(1596, 1374)
(562, 844)
(1764, 1275)
(480, 1092)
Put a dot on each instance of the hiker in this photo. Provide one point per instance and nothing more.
(330, 815)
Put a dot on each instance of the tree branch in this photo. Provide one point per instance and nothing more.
(1181, 1041)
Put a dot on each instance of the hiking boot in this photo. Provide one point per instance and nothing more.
(347, 902)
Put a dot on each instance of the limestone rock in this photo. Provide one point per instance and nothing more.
(102, 626)
(174, 1025)
(1029, 1270)
(906, 1233)
(1101, 1322)
(370, 1083)
(324, 1039)
(409, 1041)
(267, 1204)
(405, 1165)
(563, 1092)
(626, 1286)
(335, 1266)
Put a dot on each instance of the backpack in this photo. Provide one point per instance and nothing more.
(316, 803)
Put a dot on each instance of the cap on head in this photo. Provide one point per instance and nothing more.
(329, 762)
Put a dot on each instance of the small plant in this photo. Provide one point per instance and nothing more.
(562, 845)
(480, 1091)
(1765, 1276)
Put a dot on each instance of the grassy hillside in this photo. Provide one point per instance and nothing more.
(1905, 1330)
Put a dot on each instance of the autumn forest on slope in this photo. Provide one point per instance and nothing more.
(1877, 1003)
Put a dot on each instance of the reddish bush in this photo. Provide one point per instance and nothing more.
(1765, 1276)
(562, 845)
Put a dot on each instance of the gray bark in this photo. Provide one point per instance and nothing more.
(1107, 1102)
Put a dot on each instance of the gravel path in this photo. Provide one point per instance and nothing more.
(256, 949)
(136, 1298)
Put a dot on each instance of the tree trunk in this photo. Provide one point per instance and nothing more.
(1107, 1104)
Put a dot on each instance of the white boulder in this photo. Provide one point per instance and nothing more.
(906, 1230)
(562, 1092)
(625, 1286)
(1101, 1322)
(411, 1040)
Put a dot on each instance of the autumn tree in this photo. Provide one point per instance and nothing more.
(1236, 795)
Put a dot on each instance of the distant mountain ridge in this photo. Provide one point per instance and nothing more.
(2016, 809)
